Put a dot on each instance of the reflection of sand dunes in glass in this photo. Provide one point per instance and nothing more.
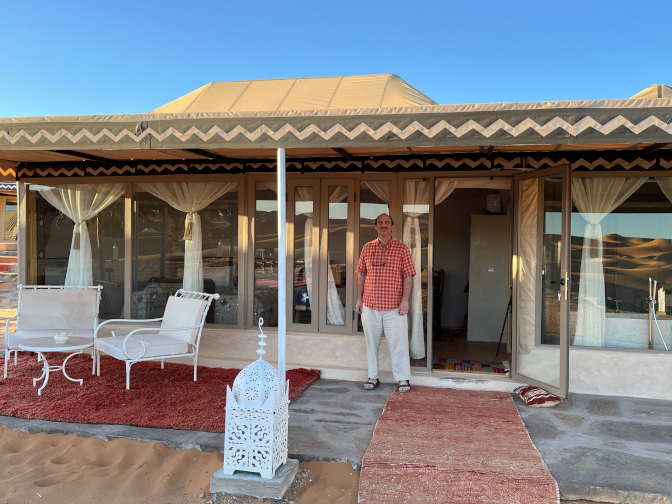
(636, 257)
(628, 265)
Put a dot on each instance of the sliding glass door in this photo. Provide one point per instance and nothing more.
(336, 256)
(542, 279)
(328, 222)
(303, 254)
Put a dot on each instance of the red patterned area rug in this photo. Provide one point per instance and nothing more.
(167, 398)
(442, 445)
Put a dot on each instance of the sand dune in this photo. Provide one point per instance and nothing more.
(53, 468)
(57, 469)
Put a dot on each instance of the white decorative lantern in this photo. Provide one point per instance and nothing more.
(256, 419)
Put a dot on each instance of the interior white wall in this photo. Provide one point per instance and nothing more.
(452, 244)
(488, 276)
(452, 231)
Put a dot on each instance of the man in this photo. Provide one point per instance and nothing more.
(384, 282)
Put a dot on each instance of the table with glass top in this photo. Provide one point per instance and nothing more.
(74, 344)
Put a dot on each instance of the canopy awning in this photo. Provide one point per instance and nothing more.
(639, 120)
(365, 115)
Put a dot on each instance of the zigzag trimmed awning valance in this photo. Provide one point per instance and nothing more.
(559, 123)
(594, 161)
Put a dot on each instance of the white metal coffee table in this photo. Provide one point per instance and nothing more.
(74, 344)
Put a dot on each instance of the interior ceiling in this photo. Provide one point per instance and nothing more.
(14, 157)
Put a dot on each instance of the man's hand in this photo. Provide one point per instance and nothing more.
(403, 307)
(358, 306)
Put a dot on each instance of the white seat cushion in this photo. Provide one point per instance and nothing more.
(156, 345)
(183, 312)
(20, 336)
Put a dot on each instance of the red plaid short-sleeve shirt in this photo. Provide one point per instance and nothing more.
(385, 269)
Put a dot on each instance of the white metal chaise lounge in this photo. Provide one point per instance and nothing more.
(44, 310)
(178, 336)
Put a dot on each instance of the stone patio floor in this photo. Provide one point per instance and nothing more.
(599, 449)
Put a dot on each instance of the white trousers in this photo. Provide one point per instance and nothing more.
(395, 327)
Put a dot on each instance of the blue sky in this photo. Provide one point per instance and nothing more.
(73, 57)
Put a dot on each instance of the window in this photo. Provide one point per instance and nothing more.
(337, 255)
(76, 237)
(266, 254)
(621, 239)
(415, 235)
(11, 219)
(304, 286)
(185, 236)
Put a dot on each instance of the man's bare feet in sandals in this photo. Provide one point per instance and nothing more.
(404, 386)
(371, 384)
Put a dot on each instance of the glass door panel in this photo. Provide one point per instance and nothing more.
(265, 245)
(336, 256)
(303, 254)
(541, 350)
(374, 199)
(415, 236)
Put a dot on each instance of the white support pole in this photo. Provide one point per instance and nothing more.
(282, 264)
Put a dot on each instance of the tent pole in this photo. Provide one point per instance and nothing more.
(282, 264)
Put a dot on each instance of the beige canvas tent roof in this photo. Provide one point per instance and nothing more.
(317, 93)
(655, 91)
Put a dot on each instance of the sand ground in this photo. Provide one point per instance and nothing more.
(57, 469)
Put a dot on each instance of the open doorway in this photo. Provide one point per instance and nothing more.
(471, 276)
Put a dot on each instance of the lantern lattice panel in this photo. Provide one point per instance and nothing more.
(257, 414)
(280, 435)
(255, 442)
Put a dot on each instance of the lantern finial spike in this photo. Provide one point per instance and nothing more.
(262, 336)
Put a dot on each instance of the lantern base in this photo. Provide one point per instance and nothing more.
(252, 484)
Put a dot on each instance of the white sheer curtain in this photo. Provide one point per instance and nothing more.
(190, 197)
(526, 263)
(306, 194)
(595, 198)
(445, 187)
(416, 203)
(380, 188)
(665, 184)
(81, 202)
(335, 310)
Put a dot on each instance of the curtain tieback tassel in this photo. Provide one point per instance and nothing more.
(188, 227)
(75, 243)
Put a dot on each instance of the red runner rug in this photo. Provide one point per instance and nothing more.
(167, 398)
(442, 445)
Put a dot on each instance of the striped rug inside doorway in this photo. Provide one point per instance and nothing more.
(459, 446)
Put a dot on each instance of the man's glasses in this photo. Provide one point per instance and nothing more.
(373, 263)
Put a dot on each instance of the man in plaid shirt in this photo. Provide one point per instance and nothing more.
(384, 282)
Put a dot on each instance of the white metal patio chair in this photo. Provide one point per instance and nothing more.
(44, 310)
(178, 336)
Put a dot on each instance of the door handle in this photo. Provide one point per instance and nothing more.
(564, 285)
